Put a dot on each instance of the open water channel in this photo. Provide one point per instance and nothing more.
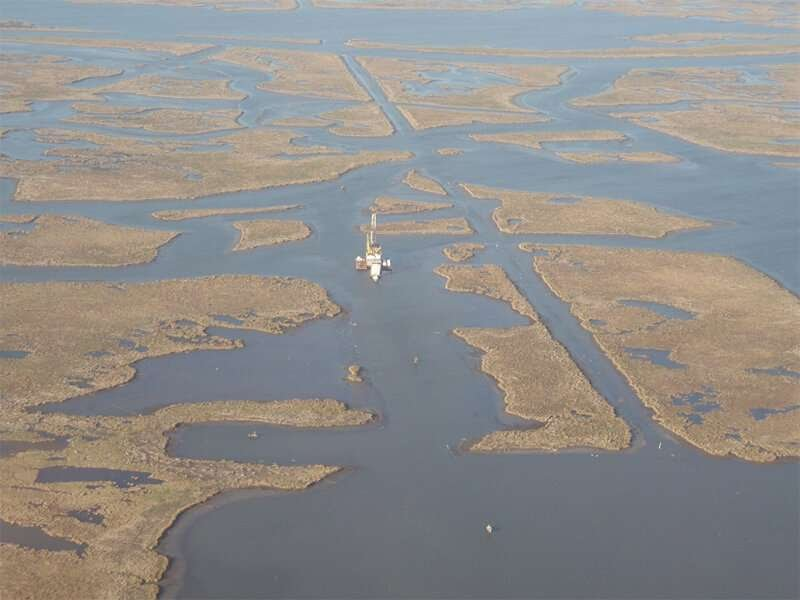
(406, 518)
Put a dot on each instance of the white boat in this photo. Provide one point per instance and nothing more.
(373, 260)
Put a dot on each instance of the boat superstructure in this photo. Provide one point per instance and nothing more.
(373, 260)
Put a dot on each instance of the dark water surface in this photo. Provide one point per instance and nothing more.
(407, 517)
(120, 478)
(10, 448)
(36, 539)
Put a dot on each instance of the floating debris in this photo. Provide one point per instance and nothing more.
(253, 435)
(489, 528)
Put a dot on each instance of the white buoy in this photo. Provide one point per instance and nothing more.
(489, 528)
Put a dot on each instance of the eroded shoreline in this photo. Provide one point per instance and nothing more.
(540, 381)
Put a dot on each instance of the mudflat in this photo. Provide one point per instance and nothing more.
(782, 46)
(532, 212)
(160, 86)
(161, 120)
(81, 337)
(298, 72)
(116, 168)
(119, 557)
(70, 241)
(431, 117)
(594, 158)
(708, 343)
(422, 183)
(202, 213)
(463, 251)
(387, 205)
(269, 232)
(365, 119)
(487, 86)
(25, 78)
(772, 13)
(449, 226)
(224, 5)
(730, 109)
(540, 381)
(535, 139)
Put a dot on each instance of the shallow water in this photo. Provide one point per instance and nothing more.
(87, 516)
(10, 448)
(120, 478)
(454, 81)
(655, 356)
(36, 538)
(407, 518)
(13, 354)
(665, 310)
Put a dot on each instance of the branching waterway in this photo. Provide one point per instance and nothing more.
(406, 518)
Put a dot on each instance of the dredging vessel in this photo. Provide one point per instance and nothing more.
(373, 260)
